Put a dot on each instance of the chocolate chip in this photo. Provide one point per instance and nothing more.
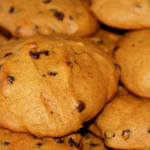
(116, 48)
(35, 55)
(59, 15)
(43, 75)
(71, 18)
(45, 52)
(10, 79)
(46, 1)
(69, 63)
(126, 133)
(126, 130)
(7, 54)
(51, 112)
(5, 143)
(52, 73)
(81, 106)
(86, 134)
(39, 144)
(11, 10)
(149, 131)
(93, 145)
(59, 140)
(99, 41)
(72, 142)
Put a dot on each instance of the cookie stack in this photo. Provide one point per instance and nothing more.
(53, 76)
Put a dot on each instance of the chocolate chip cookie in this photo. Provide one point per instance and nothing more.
(25, 141)
(122, 14)
(27, 18)
(133, 55)
(50, 85)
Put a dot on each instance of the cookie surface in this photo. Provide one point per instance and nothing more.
(50, 85)
(91, 142)
(47, 17)
(129, 127)
(133, 14)
(24, 141)
(133, 54)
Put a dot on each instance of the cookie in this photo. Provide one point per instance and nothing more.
(50, 85)
(3, 40)
(130, 14)
(124, 122)
(106, 40)
(132, 54)
(91, 142)
(25, 141)
(47, 17)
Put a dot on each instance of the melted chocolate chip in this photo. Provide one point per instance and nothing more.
(59, 140)
(45, 53)
(39, 144)
(59, 15)
(10, 79)
(52, 73)
(72, 142)
(7, 54)
(11, 10)
(35, 55)
(46, 1)
(116, 48)
(126, 130)
(93, 145)
(81, 106)
(6, 143)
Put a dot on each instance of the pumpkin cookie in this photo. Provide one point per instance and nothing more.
(123, 14)
(124, 123)
(25, 141)
(27, 18)
(50, 85)
(133, 55)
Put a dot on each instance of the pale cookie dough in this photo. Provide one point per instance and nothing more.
(133, 55)
(30, 17)
(122, 14)
(50, 85)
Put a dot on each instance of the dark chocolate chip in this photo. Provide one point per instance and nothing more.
(81, 106)
(7, 54)
(10, 79)
(69, 63)
(11, 10)
(51, 112)
(149, 131)
(93, 145)
(72, 142)
(35, 55)
(71, 18)
(59, 140)
(46, 1)
(59, 15)
(52, 73)
(39, 144)
(116, 48)
(43, 75)
(126, 130)
(5, 143)
(45, 52)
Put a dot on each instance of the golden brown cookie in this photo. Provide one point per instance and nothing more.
(25, 141)
(133, 55)
(27, 18)
(92, 142)
(124, 123)
(123, 14)
(106, 40)
(50, 85)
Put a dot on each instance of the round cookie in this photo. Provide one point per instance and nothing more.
(122, 14)
(47, 17)
(91, 142)
(25, 141)
(106, 40)
(3, 40)
(124, 123)
(133, 55)
(50, 85)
